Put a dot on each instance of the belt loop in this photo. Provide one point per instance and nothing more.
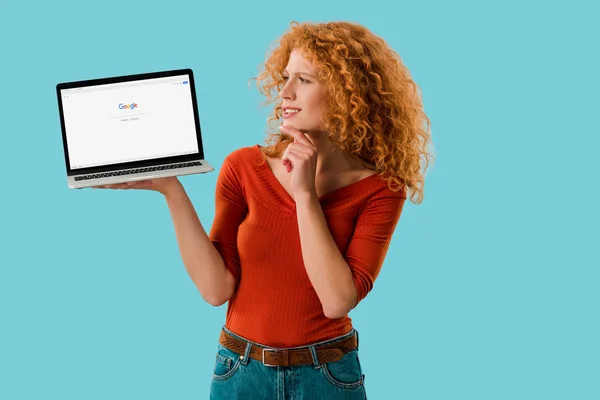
(286, 358)
(356, 339)
(247, 353)
(315, 358)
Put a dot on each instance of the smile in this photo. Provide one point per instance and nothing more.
(290, 112)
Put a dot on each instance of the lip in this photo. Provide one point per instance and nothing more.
(286, 115)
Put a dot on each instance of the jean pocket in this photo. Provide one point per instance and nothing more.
(227, 363)
(346, 373)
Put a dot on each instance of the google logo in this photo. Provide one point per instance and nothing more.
(127, 106)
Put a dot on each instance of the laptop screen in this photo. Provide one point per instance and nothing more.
(129, 121)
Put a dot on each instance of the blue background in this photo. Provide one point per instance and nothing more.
(490, 287)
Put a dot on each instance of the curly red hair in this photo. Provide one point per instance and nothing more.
(374, 111)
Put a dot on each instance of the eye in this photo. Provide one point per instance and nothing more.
(303, 80)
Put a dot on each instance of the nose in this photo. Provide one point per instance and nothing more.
(287, 91)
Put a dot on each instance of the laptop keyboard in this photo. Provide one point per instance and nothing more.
(137, 170)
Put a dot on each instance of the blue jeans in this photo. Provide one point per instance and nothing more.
(248, 379)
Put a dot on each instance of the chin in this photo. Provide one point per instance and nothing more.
(301, 127)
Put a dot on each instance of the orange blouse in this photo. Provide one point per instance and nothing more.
(256, 232)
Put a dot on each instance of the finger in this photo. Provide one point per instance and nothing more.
(297, 160)
(288, 151)
(309, 150)
(294, 157)
(288, 164)
(138, 184)
(120, 186)
(116, 186)
(304, 153)
(299, 136)
(111, 186)
(146, 184)
(286, 160)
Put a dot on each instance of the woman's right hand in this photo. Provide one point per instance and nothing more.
(161, 185)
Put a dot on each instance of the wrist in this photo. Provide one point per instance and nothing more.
(305, 197)
(172, 189)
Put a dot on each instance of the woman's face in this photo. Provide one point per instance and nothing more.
(302, 92)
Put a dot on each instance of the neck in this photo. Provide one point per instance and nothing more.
(330, 159)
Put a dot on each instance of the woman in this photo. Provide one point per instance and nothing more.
(302, 225)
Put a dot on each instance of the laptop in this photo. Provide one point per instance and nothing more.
(130, 128)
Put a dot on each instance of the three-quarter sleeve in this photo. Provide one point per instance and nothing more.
(369, 243)
(230, 210)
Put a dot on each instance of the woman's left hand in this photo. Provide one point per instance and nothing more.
(300, 158)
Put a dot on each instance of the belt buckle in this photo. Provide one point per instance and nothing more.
(263, 357)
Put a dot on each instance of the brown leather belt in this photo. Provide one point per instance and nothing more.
(287, 357)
